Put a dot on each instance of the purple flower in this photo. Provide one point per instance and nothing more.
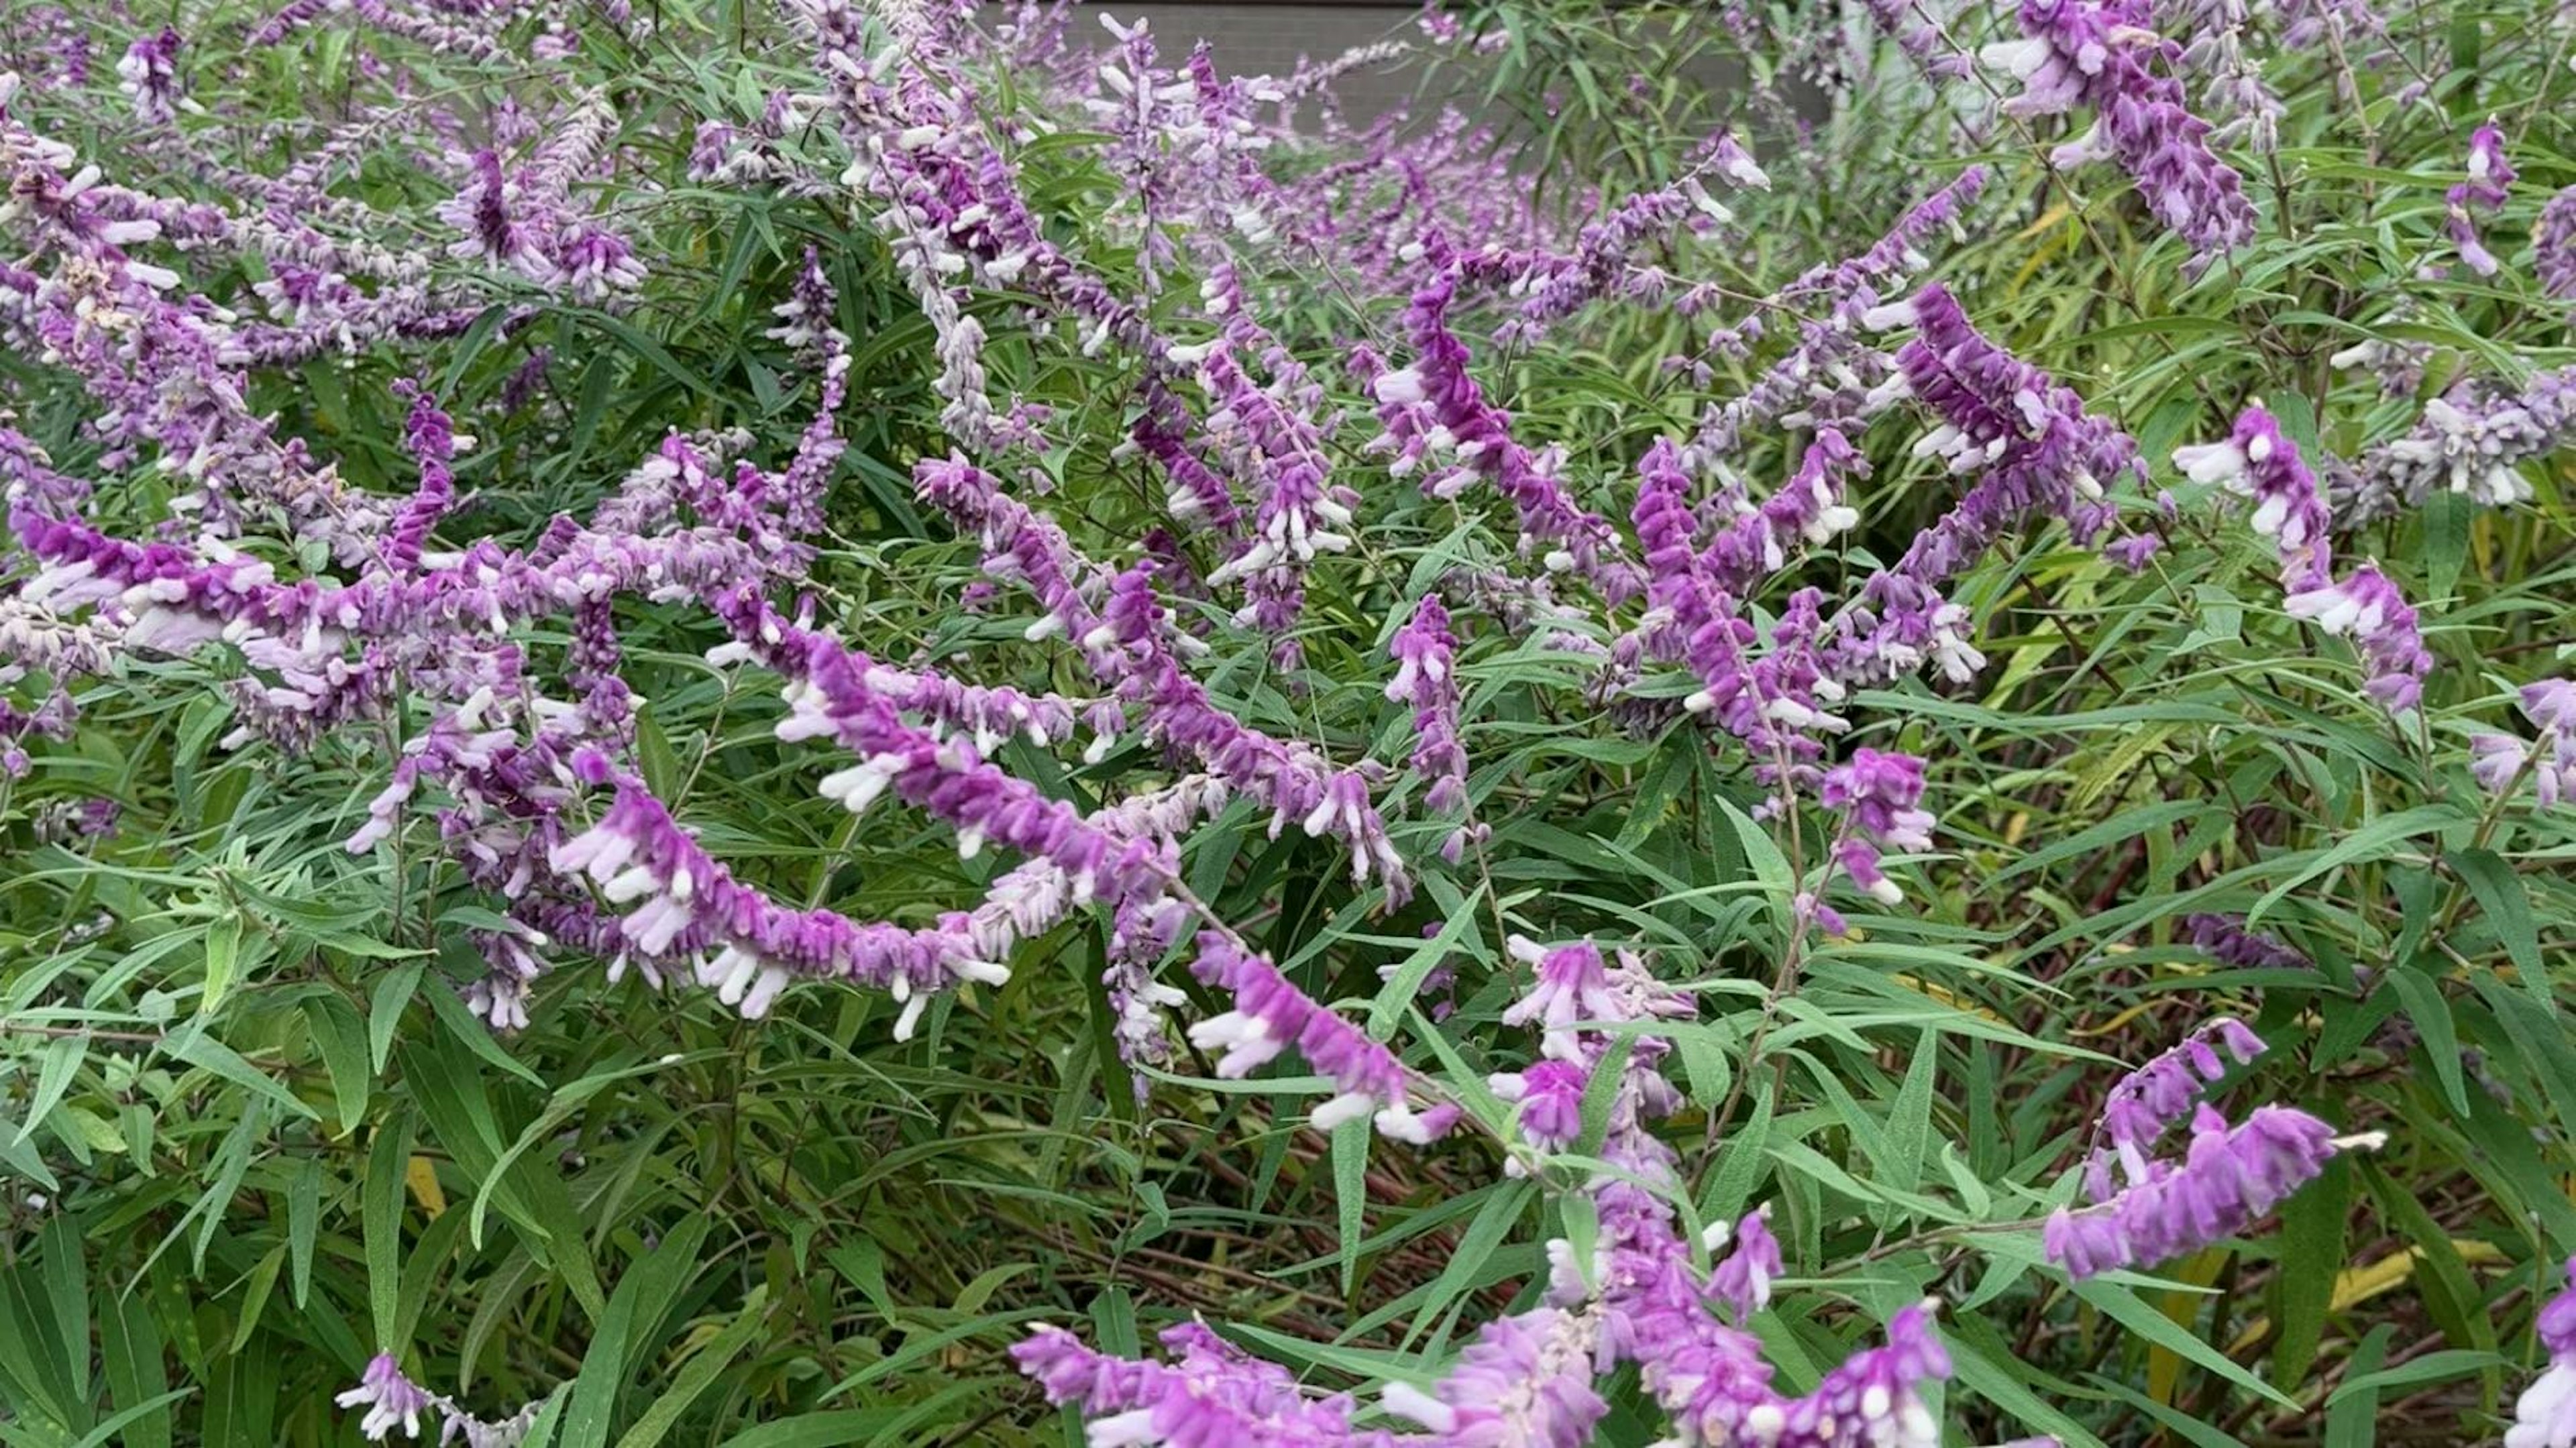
(2498, 759)
(2227, 940)
(1550, 1094)
(1425, 653)
(149, 77)
(391, 1400)
(2156, 1095)
(1480, 435)
(2228, 1179)
(1270, 1015)
(2368, 609)
(2472, 440)
(2109, 57)
(1525, 1381)
(2485, 190)
(1879, 795)
(2553, 245)
(1743, 1280)
(2289, 505)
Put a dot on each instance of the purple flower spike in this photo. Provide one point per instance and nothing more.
(2369, 610)
(2156, 1095)
(1550, 1094)
(2490, 174)
(1270, 1015)
(1743, 1280)
(392, 1400)
(2229, 1179)
(2109, 57)
(2227, 940)
(2289, 505)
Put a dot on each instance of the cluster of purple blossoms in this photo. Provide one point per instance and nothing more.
(2553, 245)
(1269, 436)
(1830, 375)
(2289, 505)
(1879, 797)
(2036, 453)
(1426, 655)
(1270, 1015)
(1128, 639)
(2486, 190)
(1532, 1378)
(1457, 419)
(2374, 613)
(2105, 55)
(2289, 508)
(2498, 760)
(2473, 440)
(149, 76)
(1781, 703)
(2545, 1415)
(2145, 1210)
(2227, 941)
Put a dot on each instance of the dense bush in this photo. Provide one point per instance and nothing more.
(782, 728)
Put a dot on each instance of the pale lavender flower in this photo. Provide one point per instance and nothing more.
(2473, 440)
(2156, 1095)
(1879, 794)
(1742, 1280)
(149, 77)
(2370, 610)
(2229, 1178)
(1270, 1015)
(2490, 174)
(2289, 505)
(1550, 1096)
(2553, 245)
(2107, 56)
(2497, 759)
(391, 1399)
(1426, 653)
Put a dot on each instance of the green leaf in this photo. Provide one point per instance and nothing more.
(2371, 841)
(2312, 1238)
(191, 1044)
(644, 1288)
(2507, 905)
(699, 1373)
(223, 954)
(388, 1161)
(2430, 1012)
(63, 1057)
(342, 1039)
(2352, 1419)
(1350, 1193)
(385, 1009)
(303, 1225)
(2123, 1307)
(818, 1430)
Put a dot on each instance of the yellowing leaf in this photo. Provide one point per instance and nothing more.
(2357, 1285)
(422, 1178)
(1947, 997)
(2047, 219)
(2164, 1366)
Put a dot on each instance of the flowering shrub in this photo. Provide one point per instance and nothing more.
(776, 728)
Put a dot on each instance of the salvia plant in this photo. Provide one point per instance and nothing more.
(897, 722)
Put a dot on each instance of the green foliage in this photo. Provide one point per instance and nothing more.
(251, 1135)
